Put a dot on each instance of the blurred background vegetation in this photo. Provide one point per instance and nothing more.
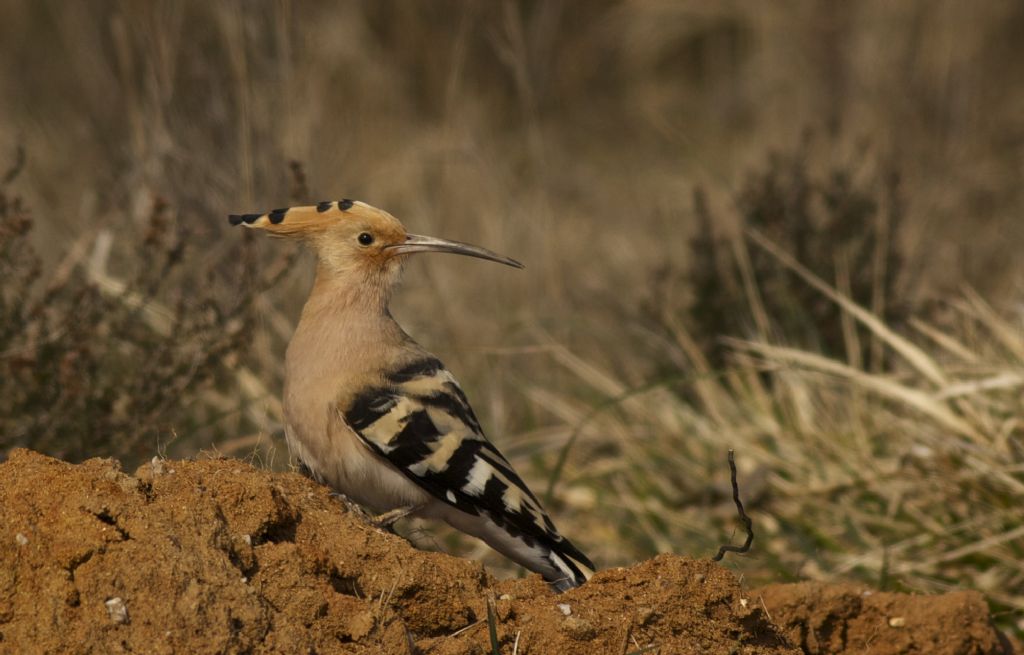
(790, 228)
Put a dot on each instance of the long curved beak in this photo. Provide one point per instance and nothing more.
(416, 243)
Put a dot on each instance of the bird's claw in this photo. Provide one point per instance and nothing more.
(387, 519)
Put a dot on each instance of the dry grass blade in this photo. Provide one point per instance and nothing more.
(923, 402)
(468, 627)
(914, 355)
(627, 397)
(1002, 381)
(1007, 335)
(944, 341)
(587, 372)
(625, 638)
(492, 627)
(928, 566)
(410, 643)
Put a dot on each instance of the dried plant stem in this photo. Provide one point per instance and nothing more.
(748, 524)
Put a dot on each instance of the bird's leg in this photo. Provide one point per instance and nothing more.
(352, 506)
(387, 519)
(383, 521)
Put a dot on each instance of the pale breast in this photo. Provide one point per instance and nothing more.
(340, 347)
(318, 437)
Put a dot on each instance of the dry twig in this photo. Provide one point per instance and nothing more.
(747, 523)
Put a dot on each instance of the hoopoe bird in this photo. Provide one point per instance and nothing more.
(379, 419)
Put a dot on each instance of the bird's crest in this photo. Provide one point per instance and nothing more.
(299, 221)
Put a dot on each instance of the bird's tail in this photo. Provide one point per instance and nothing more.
(560, 562)
(575, 567)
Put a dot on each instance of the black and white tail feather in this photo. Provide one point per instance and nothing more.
(420, 421)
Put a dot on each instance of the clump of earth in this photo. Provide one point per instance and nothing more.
(215, 556)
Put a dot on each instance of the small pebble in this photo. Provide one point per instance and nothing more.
(505, 597)
(644, 614)
(743, 602)
(897, 622)
(117, 610)
(21, 539)
(156, 465)
(565, 609)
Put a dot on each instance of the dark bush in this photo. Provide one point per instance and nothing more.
(92, 365)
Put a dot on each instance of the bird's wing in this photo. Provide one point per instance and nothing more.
(420, 421)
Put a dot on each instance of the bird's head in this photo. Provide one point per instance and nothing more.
(352, 238)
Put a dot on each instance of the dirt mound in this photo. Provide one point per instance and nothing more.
(851, 619)
(218, 557)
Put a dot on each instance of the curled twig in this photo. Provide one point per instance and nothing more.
(747, 523)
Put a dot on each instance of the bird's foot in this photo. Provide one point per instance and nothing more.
(382, 521)
(387, 519)
(352, 506)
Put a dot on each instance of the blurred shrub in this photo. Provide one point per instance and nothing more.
(95, 365)
(881, 443)
(840, 224)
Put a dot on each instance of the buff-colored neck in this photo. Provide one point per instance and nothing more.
(345, 328)
(349, 291)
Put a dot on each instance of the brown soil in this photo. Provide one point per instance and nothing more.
(218, 557)
(852, 619)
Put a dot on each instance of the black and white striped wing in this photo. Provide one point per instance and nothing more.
(421, 422)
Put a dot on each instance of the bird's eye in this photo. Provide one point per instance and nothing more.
(365, 238)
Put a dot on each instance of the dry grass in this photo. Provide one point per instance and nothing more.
(911, 477)
(861, 348)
